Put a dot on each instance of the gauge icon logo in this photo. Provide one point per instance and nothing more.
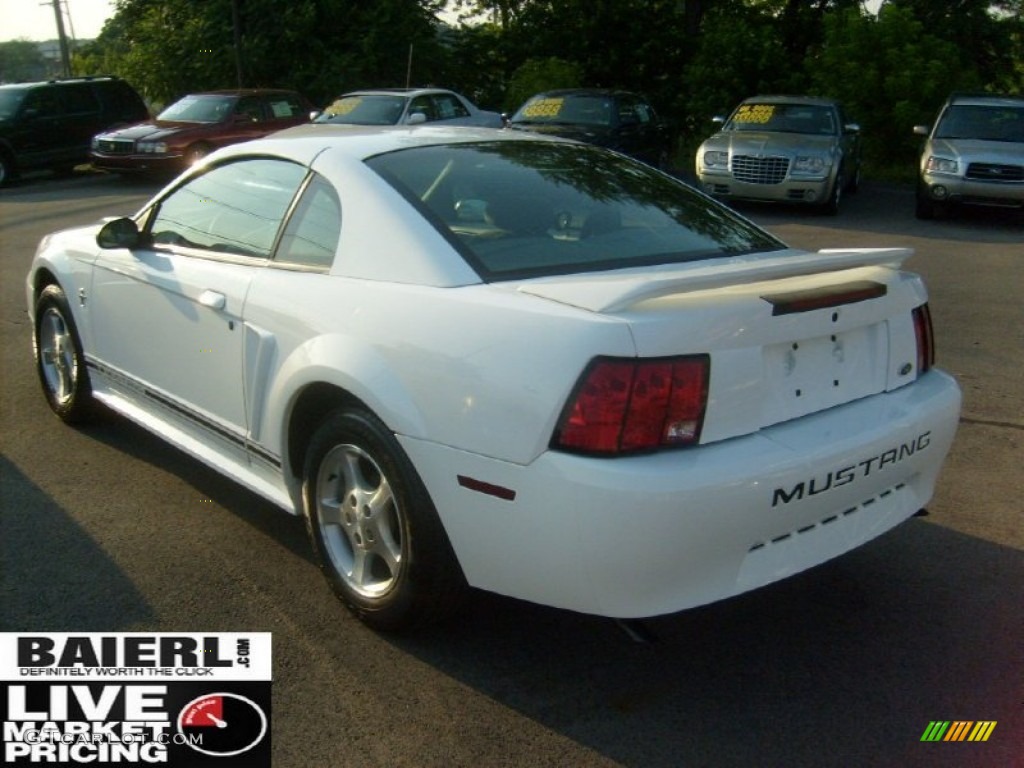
(222, 724)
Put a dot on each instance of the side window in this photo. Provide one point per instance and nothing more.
(79, 100)
(627, 111)
(311, 237)
(250, 108)
(284, 106)
(42, 102)
(425, 105)
(449, 107)
(235, 208)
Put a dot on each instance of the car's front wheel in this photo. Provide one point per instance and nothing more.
(376, 532)
(926, 209)
(59, 359)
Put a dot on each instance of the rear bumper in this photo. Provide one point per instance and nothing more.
(656, 534)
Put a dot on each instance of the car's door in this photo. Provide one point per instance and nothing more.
(81, 120)
(167, 318)
(638, 132)
(38, 136)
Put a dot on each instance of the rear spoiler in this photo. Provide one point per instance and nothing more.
(614, 291)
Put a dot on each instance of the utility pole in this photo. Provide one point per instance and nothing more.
(65, 56)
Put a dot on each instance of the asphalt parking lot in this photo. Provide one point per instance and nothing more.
(108, 529)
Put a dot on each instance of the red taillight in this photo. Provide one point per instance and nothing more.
(620, 406)
(925, 339)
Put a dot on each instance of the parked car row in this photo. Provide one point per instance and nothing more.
(807, 151)
(792, 149)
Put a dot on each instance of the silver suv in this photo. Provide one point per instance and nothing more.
(973, 155)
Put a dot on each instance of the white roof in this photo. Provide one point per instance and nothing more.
(304, 142)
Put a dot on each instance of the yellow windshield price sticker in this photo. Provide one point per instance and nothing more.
(343, 106)
(758, 114)
(543, 108)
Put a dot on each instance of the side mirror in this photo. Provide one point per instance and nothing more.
(416, 118)
(852, 128)
(119, 233)
(718, 120)
(920, 130)
(315, 114)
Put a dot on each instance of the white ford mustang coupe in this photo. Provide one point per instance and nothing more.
(474, 358)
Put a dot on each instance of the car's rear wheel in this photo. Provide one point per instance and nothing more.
(59, 359)
(373, 526)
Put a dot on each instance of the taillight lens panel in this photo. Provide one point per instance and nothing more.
(925, 338)
(625, 405)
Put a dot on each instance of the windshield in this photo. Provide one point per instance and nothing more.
(984, 123)
(364, 110)
(575, 110)
(783, 118)
(199, 109)
(525, 209)
(10, 100)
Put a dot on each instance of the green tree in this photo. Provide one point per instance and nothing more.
(170, 47)
(536, 75)
(21, 61)
(891, 74)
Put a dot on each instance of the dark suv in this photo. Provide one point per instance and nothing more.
(51, 124)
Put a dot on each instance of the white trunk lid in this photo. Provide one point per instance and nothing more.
(789, 333)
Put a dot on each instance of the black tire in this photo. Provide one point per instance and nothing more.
(854, 183)
(376, 533)
(7, 169)
(924, 208)
(59, 359)
(831, 205)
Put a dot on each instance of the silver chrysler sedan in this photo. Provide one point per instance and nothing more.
(792, 149)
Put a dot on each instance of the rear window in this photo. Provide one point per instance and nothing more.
(525, 209)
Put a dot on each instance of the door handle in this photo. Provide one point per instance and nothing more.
(212, 299)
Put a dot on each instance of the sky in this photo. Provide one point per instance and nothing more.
(34, 19)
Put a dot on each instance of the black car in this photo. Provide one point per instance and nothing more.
(51, 124)
(619, 120)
